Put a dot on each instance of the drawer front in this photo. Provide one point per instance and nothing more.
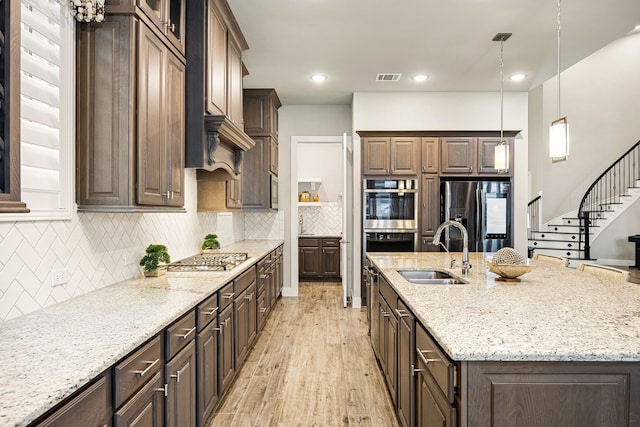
(389, 294)
(437, 362)
(207, 311)
(180, 333)
(331, 242)
(245, 280)
(130, 374)
(308, 242)
(225, 296)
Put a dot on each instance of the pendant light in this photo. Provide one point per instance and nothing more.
(559, 129)
(501, 153)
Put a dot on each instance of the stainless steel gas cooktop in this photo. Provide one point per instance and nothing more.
(209, 262)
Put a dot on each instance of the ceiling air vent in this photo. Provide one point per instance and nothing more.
(388, 77)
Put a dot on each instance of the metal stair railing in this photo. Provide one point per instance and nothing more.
(607, 190)
(533, 216)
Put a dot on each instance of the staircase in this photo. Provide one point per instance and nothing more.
(571, 235)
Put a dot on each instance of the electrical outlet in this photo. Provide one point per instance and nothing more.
(59, 277)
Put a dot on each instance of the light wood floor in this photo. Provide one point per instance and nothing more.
(311, 366)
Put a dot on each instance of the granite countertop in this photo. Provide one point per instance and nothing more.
(49, 354)
(554, 314)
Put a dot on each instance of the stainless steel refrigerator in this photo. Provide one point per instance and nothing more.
(484, 208)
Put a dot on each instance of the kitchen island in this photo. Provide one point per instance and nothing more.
(48, 355)
(557, 343)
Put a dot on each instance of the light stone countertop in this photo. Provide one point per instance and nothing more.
(554, 314)
(47, 355)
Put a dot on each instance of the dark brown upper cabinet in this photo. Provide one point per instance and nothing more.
(10, 109)
(130, 115)
(215, 136)
(168, 16)
(260, 162)
(457, 155)
(390, 156)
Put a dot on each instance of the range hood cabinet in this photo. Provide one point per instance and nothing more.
(220, 151)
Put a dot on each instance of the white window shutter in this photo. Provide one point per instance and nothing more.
(47, 122)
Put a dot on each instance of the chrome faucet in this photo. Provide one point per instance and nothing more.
(465, 242)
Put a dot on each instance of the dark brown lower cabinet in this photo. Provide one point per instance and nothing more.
(388, 347)
(432, 409)
(180, 375)
(319, 257)
(145, 408)
(406, 360)
(207, 341)
(245, 327)
(309, 261)
(553, 394)
(226, 352)
(90, 408)
(262, 310)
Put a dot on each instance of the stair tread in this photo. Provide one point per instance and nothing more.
(558, 232)
(553, 240)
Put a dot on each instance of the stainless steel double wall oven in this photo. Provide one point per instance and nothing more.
(390, 215)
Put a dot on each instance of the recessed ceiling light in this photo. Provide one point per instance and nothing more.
(319, 78)
(517, 77)
(420, 77)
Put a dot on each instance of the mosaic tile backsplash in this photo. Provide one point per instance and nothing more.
(323, 220)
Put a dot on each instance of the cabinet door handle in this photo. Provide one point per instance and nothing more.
(218, 329)
(226, 322)
(212, 312)
(151, 365)
(263, 309)
(164, 390)
(414, 370)
(189, 332)
(249, 297)
(401, 313)
(176, 376)
(229, 295)
(384, 313)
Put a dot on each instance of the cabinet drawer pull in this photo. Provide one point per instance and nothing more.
(384, 313)
(229, 295)
(401, 313)
(189, 332)
(424, 359)
(263, 276)
(212, 312)
(151, 365)
(263, 310)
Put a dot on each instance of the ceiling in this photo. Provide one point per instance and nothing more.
(351, 41)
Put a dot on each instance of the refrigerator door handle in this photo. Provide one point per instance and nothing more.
(480, 219)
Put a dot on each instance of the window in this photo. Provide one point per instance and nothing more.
(9, 106)
(47, 93)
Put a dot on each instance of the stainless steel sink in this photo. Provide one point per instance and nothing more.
(431, 277)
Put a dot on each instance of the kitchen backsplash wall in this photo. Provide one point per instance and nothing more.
(97, 250)
(264, 225)
(324, 220)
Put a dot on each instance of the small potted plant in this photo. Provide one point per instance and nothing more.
(155, 261)
(210, 243)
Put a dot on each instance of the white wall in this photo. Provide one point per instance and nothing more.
(600, 97)
(301, 120)
(97, 250)
(324, 161)
(450, 111)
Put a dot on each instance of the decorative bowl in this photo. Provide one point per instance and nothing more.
(509, 271)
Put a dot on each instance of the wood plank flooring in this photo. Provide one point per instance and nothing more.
(312, 366)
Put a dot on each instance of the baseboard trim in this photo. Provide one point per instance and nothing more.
(289, 292)
(356, 303)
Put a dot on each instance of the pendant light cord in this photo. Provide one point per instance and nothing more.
(501, 92)
(559, 110)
